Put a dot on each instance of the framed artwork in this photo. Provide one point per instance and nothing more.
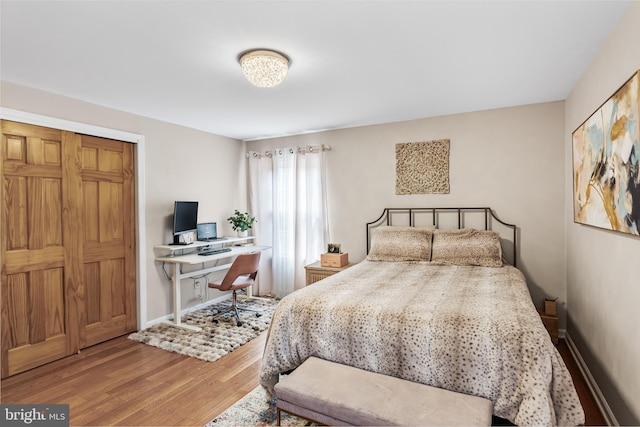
(422, 167)
(606, 153)
(334, 248)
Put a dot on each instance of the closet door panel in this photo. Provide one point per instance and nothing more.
(109, 243)
(35, 327)
(33, 339)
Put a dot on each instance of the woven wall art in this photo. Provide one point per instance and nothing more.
(422, 167)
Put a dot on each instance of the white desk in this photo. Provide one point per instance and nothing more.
(177, 260)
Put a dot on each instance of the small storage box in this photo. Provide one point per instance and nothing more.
(551, 323)
(334, 260)
(550, 307)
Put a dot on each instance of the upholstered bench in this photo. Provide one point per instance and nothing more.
(334, 394)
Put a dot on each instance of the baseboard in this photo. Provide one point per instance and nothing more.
(604, 407)
(189, 310)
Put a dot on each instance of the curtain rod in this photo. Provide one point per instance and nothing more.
(301, 150)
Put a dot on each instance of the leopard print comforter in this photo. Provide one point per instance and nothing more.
(473, 330)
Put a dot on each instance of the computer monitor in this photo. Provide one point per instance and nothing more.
(185, 219)
(207, 231)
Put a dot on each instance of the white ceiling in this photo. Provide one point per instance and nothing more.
(353, 62)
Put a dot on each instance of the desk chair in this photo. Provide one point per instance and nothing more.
(241, 275)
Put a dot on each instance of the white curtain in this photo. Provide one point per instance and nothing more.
(284, 220)
(287, 194)
(261, 206)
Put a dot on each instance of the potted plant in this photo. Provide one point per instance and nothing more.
(241, 222)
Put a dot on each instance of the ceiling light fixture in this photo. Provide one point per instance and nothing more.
(264, 68)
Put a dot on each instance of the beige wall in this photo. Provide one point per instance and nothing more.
(509, 159)
(500, 158)
(603, 279)
(180, 164)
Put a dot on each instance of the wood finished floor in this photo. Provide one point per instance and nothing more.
(125, 383)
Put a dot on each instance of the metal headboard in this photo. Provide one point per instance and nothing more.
(434, 217)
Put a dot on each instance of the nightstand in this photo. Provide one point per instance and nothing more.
(317, 272)
(549, 318)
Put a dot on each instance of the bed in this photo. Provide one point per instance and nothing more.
(438, 306)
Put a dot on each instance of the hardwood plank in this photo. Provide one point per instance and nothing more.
(593, 416)
(122, 382)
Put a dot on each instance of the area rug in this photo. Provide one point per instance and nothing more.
(215, 339)
(255, 409)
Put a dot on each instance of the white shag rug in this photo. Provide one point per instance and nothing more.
(215, 339)
(255, 409)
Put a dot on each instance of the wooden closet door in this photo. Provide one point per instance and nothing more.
(39, 280)
(108, 293)
(67, 244)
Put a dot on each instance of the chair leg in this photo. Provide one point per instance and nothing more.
(234, 307)
(218, 313)
(258, 313)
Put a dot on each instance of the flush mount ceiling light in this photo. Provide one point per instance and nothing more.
(264, 68)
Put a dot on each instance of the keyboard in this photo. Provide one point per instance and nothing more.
(206, 252)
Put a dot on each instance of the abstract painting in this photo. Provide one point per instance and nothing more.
(422, 167)
(606, 152)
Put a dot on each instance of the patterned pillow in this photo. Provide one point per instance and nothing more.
(390, 243)
(467, 247)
